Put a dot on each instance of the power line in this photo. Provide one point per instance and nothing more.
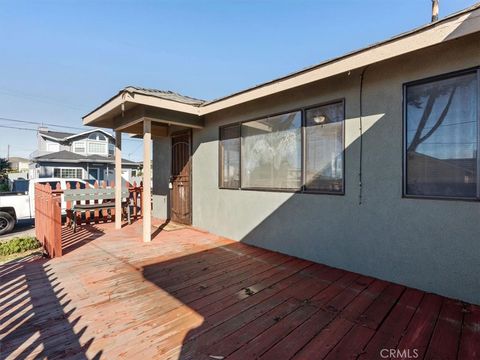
(40, 123)
(17, 128)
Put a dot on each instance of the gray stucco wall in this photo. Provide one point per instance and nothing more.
(433, 245)
(161, 177)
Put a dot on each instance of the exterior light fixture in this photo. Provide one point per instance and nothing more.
(319, 119)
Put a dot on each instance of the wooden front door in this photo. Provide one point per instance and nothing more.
(181, 193)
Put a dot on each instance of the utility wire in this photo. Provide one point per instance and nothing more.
(42, 123)
(39, 123)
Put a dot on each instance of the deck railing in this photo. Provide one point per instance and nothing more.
(48, 212)
(48, 218)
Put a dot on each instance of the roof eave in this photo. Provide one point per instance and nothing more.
(135, 98)
(451, 27)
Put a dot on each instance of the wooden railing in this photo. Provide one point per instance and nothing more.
(48, 218)
(48, 213)
(96, 216)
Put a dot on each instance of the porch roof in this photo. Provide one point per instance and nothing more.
(457, 25)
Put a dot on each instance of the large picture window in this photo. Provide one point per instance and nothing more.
(295, 151)
(441, 139)
(324, 148)
(230, 156)
(271, 152)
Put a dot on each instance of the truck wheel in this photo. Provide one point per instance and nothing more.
(7, 222)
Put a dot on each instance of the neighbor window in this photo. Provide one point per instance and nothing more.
(79, 147)
(97, 148)
(324, 148)
(97, 136)
(230, 156)
(68, 173)
(272, 152)
(441, 140)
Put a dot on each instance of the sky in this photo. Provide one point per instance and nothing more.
(60, 59)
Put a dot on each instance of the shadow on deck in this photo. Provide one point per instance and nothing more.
(194, 295)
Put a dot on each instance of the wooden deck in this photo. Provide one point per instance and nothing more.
(193, 295)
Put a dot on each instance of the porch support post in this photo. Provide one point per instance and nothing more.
(147, 175)
(118, 180)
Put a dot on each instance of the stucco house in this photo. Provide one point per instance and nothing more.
(367, 162)
(86, 155)
(18, 164)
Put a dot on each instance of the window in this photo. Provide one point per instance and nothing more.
(274, 153)
(324, 148)
(97, 148)
(68, 173)
(441, 139)
(111, 149)
(230, 156)
(271, 152)
(97, 136)
(79, 147)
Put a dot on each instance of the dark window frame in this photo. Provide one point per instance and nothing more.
(449, 75)
(220, 162)
(304, 157)
(301, 189)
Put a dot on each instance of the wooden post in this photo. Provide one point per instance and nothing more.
(147, 192)
(118, 179)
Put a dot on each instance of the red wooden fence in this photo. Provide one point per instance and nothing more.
(48, 218)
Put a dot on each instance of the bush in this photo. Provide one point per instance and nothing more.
(18, 245)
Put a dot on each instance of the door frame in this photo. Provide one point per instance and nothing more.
(188, 132)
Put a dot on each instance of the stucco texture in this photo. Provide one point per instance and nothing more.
(433, 245)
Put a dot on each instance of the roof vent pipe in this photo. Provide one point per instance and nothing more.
(434, 10)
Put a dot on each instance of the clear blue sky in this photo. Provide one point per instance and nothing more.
(60, 59)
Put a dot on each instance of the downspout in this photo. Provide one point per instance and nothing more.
(360, 165)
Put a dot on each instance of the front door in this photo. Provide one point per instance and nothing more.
(181, 208)
(93, 174)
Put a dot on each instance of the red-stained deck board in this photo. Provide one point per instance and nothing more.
(470, 342)
(193, 295)
(376, 312)
(233, 279)
(234, 341)
(363, 300)
(444, 342)
(325, 340)
(352, 344)
(393, 327)
(225, 322)
(420, 329)
(233, 298)
(245, 285)
(297, 339)
(259, 345)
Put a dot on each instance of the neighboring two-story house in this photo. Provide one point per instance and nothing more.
(87, 155)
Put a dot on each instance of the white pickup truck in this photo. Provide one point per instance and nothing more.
(16, 206)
